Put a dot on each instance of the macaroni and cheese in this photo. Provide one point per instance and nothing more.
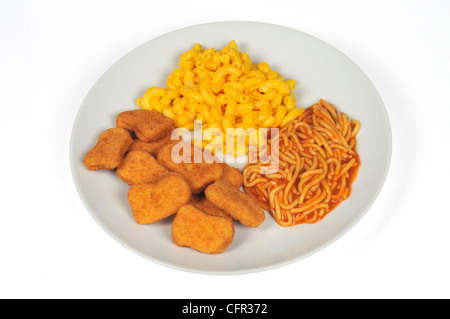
(223, 89)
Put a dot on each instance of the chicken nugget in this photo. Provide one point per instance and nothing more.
(147, 125)
(238, 204)
(153, 147)
(108, 152)
(152, 202)
(203, 232)
(198, 175)
(202, 203)
(233, 175)
(140, 167)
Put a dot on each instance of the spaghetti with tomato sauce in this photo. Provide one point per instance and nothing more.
(316, 165)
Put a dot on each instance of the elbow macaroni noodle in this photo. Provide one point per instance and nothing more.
(223, 90)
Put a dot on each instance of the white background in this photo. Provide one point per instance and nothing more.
(52, 52)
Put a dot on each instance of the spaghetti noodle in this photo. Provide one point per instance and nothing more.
(316, 167)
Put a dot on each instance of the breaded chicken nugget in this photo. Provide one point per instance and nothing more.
(202, 203)
(238, 204)
(232, 175)
(147, 125)
(112, 144)
(153, 147)
(140, 167)
(151, 202)
(198, 175)
(206, 233)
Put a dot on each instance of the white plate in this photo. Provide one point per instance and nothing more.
(320, 70)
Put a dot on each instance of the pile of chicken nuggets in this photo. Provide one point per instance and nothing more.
(204, 197)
